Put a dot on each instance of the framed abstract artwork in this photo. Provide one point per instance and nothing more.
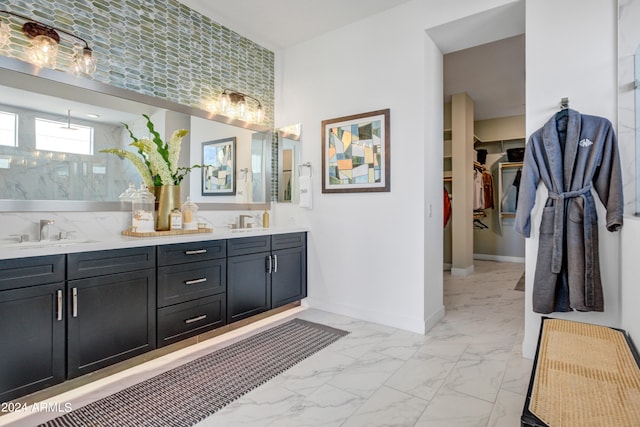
(219, 174)
(356, 155)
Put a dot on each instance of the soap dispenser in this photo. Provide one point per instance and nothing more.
(265, 219)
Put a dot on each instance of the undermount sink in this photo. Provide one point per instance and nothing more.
(45, 244)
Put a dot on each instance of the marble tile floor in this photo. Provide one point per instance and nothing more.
(467, 371)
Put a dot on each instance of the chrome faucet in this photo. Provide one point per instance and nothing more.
(242, 223)
(45, 223)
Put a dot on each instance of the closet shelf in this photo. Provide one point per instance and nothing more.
(507, 165)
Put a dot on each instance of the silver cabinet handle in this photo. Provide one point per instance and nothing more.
(275, 263)
(74, 302)
(59, 304)
(195, 281)
(270, 264)
(196, 319)
(196, 252)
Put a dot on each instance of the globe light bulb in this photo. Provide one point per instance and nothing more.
(43, 51)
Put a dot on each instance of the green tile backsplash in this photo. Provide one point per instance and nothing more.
(159, 48)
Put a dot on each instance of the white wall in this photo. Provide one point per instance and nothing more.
(571, 52)
(375, 256)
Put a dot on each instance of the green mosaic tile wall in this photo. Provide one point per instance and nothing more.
(157, 47)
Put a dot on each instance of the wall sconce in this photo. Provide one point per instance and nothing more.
(233, 104)
(44, 45)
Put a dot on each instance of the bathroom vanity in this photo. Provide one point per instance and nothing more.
(69, 310)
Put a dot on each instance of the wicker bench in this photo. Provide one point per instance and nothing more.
(583, 375)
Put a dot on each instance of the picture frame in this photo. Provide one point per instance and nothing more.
(356, 153)
(219, 172)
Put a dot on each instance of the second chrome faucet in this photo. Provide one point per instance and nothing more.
(44, 229)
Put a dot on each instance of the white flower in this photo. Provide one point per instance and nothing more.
(157, 162)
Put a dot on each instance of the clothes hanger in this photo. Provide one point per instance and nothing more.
(564, 109)
(479, 224)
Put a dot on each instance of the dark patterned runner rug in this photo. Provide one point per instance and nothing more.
(189, 393)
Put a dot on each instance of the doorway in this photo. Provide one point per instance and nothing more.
(491, 79)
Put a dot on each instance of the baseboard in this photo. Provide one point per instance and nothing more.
(462, 271)
(433, 320)
(499, 258)
(385, 318)
(446, 266)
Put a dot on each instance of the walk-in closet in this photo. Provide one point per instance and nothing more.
(484, 139)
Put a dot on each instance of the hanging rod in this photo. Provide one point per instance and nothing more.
(305, 165)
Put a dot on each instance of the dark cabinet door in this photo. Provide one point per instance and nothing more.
(248, 287)
(110, 318)
(32, 333)
(289, 276)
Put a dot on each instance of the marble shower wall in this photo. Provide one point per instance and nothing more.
(50, 175)
(628, 94)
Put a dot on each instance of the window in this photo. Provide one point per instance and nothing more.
(8, 125)
(63, 137)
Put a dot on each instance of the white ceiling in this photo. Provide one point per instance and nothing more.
(492, 73)
(278, 24)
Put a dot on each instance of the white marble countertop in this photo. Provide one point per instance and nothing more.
(31, 249)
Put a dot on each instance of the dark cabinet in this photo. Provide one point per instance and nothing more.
(289, 272)
(289, 276)
(265, 272)
(110, 317)
(249, 292)
(32, 333)
(62, 316)
(192, 285)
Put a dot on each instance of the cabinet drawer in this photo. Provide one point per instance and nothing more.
(100, 263)
(180, 283)
(191, 252)
(248, 245)
(289, 240)
(187, 319)
(22, 272)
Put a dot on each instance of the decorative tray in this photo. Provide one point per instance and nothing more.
(165, 233)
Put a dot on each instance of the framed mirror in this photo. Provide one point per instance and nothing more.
(289, 139)
(35, 176)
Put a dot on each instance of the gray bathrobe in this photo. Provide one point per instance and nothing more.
(572, 155)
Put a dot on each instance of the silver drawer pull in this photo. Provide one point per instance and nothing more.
(74, 302)
(59, 299)
(275, 263)
(196, 252)
(196, 319)
(195, 281)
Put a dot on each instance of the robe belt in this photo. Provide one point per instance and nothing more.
(558, 234)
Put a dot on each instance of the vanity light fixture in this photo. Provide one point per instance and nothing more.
(44, 45)
(233, 104)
